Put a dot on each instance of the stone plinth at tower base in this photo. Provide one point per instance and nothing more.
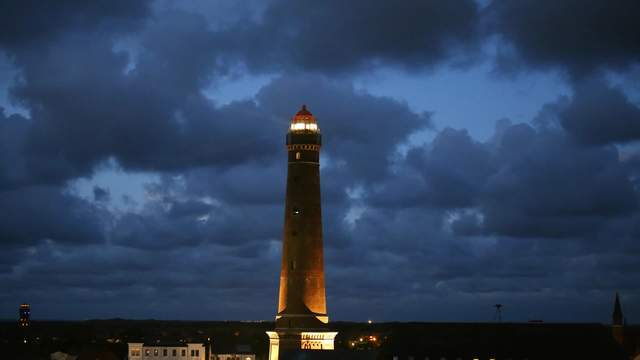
(283, 341)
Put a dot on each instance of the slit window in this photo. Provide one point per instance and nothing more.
(298, 155)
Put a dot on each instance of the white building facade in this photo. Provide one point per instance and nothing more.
(187, 351)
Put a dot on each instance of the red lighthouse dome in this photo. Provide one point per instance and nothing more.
(304, 121)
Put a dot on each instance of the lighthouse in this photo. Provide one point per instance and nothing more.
(302, 320)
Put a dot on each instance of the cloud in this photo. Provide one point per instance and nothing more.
(27, 22)
(150, 118)
(540, 214)
(578, 36)
(433, 181)
(598, 114)
(547, 186)
(13, 133)
(154, 116)
(101, 194)
(332, 36)
(32, 214)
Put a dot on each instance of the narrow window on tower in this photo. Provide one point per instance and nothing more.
(298, 155)
(293, 265)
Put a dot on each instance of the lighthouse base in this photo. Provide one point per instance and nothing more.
(283, 340)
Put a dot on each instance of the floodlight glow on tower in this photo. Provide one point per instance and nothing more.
(301, 322)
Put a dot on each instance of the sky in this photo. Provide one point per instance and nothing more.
(475, 153)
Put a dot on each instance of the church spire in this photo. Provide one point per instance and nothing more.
(618, 318)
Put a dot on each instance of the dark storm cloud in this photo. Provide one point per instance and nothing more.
(243, 184)
(96, 279)
(101, 194)
(173, 217)
(146, 110)
(32, 214)
(524, 182)
(547, 215)
(158, 226)
(429, 172)
(13, 133)
(334, 36)
(599, 114)
(456, 225)
(548, 186)
(87, 107)
(130, 107)
(579, 36)
(26, 21)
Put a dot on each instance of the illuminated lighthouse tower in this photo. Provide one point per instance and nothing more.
(301, 322)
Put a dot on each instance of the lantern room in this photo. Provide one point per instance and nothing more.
(304, 121)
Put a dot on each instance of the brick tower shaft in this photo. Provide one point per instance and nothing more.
(302, 301)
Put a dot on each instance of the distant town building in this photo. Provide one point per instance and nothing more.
(180, 351)
(236, 352)
(24, 314)
(233, 357)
